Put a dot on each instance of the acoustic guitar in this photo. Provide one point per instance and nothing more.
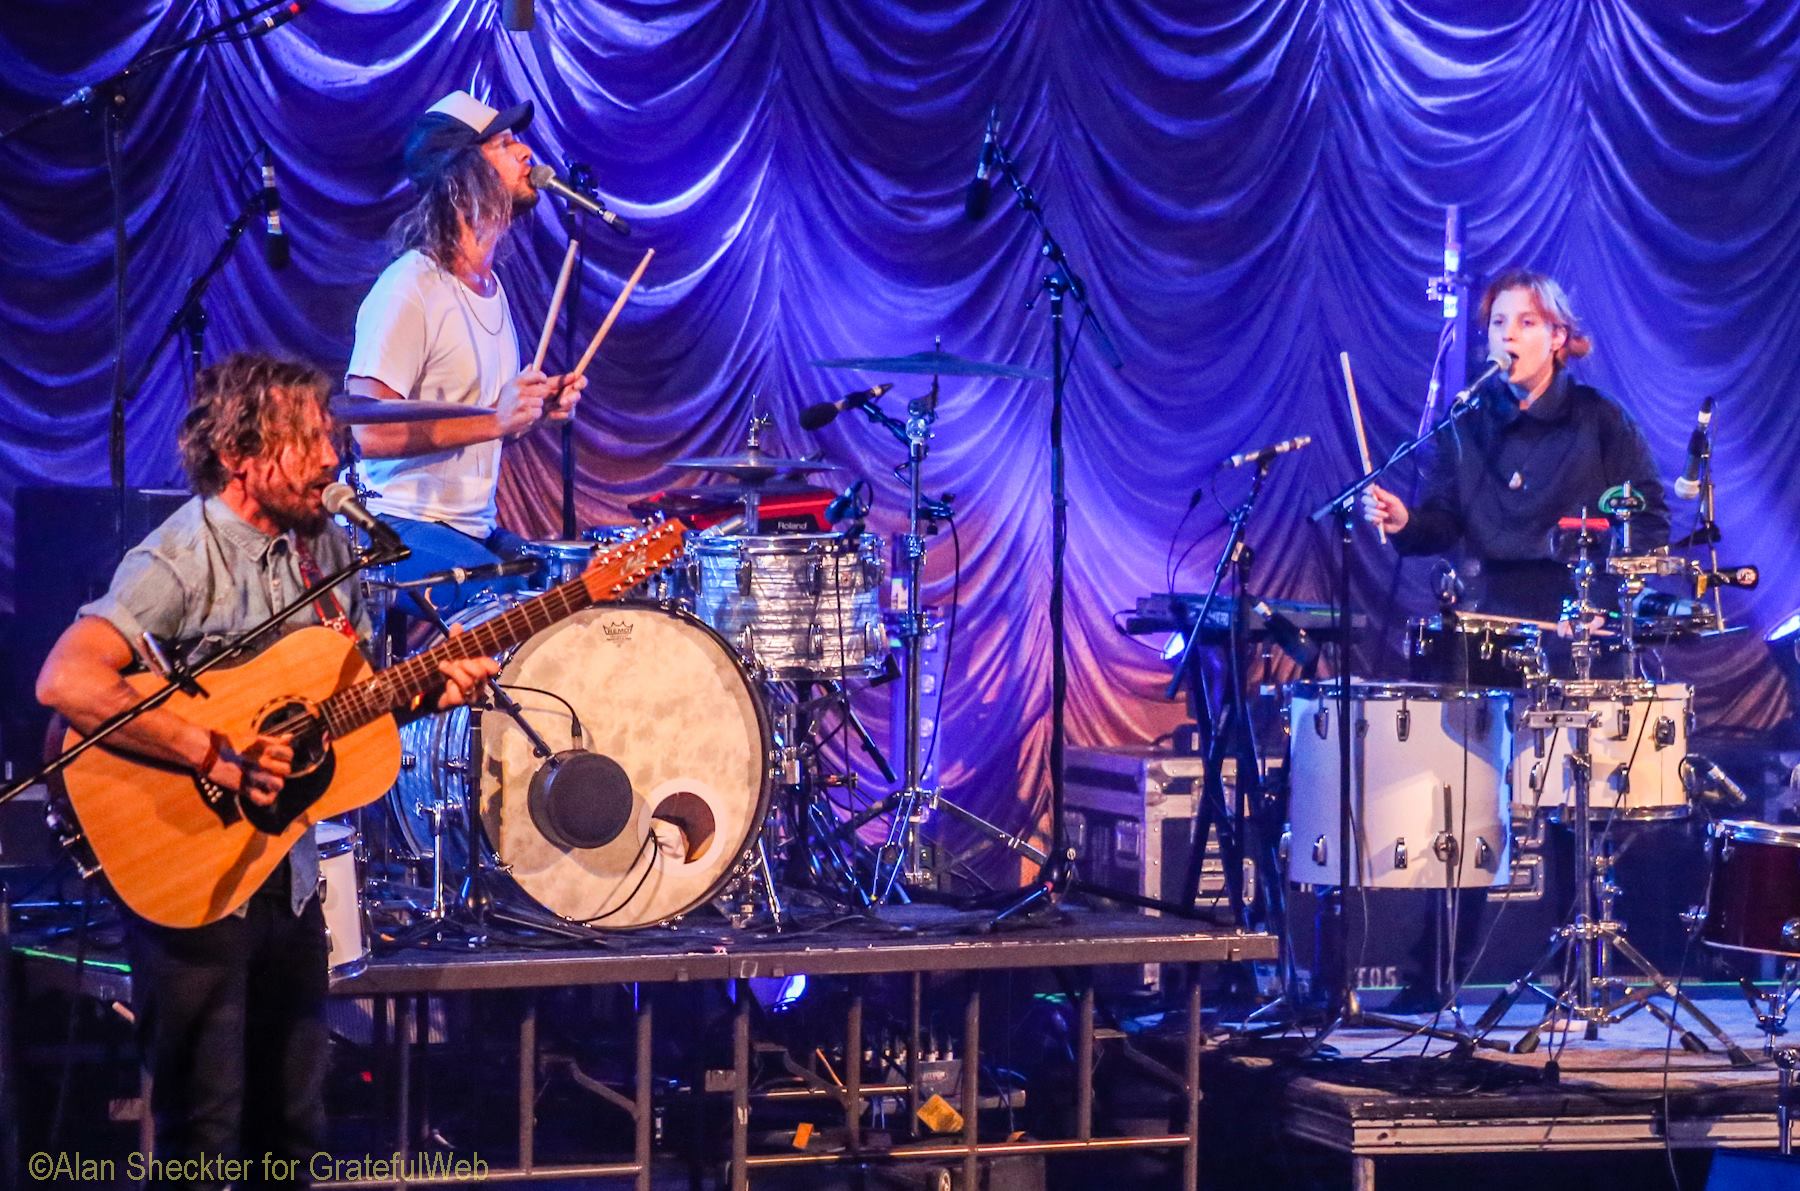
(182, 854)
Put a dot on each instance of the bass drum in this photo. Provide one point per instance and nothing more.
(661, 745)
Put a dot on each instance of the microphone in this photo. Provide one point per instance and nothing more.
(275, 241)
(975, 202)
(820, 414)
(1699, 450)
(1262, 455)
(544, 178)
(1498, 361)
(280, 17)
(851, 503)
(340, 500)
(459, 575)
(1712, 784)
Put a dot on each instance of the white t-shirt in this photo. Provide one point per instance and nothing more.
(426, 335)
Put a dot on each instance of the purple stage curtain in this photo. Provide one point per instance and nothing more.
(1247, 187)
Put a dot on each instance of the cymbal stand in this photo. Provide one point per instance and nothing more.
(1588, 942)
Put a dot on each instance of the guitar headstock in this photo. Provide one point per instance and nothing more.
(617, 569)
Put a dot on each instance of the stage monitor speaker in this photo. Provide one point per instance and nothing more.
(67, 549)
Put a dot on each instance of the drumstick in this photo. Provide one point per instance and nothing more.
(1362, 439)
(556, 300)
(612, 314)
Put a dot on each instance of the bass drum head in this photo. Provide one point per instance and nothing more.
(663, 700)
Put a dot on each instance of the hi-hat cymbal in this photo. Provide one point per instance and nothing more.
(934, 364)
(752, 465)
(350, 410)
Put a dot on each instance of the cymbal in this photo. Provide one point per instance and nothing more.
(752, 466)
(350, 410)
(705, 498)
(934, 364)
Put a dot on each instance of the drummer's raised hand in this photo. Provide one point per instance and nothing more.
(565, 395)
(1383, 509)
(522, 401)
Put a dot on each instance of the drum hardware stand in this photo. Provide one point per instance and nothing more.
(1590, 940)
(902, 864)
(1772, 1007)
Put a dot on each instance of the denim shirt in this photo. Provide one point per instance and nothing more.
(206, 575)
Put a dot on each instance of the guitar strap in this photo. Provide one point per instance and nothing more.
(330, 610)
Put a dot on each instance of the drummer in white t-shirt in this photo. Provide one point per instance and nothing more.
(437, 327)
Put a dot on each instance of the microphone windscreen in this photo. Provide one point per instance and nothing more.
(813, 417)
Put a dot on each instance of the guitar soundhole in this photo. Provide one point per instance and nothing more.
(300, 722)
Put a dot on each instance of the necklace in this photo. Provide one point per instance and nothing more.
(469, 305)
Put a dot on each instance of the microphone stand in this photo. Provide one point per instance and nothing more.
(1347, 1009)
(109, 93)
(581, 178)
(190, 316)
(1060, 282)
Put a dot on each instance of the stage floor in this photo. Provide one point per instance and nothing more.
(1379, 1094)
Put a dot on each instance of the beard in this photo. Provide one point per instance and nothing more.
(525, 198)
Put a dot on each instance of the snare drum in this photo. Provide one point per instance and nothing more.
(1473, 650)
(1428, 795)
(1637, 741)
(797, 606)
(1754, 903)
(340, 896)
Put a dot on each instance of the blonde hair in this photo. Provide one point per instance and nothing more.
(1551, 300)
(468, 190)
(245, 405)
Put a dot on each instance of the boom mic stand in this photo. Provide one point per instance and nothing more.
(1060, 282)
(1348, 1009)
(109, 95)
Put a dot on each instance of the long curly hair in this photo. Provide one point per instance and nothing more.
(467, 192)
(245, 405)
(1551, 299)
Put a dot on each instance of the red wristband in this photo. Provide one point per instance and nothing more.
(214, 746)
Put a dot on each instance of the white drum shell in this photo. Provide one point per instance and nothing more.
(1637, 748)
(795, 606)
(1409, 745)
(340, 896)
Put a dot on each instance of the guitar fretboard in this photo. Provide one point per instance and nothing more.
(402, 686)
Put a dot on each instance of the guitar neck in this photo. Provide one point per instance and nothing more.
(403, 686)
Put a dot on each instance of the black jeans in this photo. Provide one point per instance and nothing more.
(231, 1024)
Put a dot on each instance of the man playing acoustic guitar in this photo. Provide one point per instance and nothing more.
(230, 1014)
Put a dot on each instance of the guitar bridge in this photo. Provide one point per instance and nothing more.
(218, 800)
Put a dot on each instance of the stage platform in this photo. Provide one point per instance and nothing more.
(1378, 1097)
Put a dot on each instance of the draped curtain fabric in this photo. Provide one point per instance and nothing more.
(1247, 189)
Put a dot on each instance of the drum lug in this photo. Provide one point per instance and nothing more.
(815, 641)
(1285, 848)
(1403, 725)
(1319, 855)
(1445, 848)
(1400, 858)
(1322, 723)
(745, 573)
(1484, 854)
(815, 578)
(1725, 850)
(1665, 731)
(1622, 731)
(1790, 932)
(408, 760)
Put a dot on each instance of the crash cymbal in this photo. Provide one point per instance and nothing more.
(934, 364)
(350, 410)
(751, 466)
